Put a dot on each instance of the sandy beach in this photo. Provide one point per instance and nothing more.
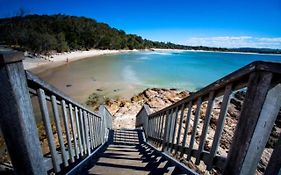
(46, 62)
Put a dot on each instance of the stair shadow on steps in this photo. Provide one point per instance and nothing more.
(128, 155)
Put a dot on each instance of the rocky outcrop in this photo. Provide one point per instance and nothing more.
(125, 110)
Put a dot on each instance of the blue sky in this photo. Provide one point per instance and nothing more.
(220, 23)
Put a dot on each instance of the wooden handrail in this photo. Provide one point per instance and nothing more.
(238, 78)
(160, 127)
(17, 120)
(83, 130)
(34, 82)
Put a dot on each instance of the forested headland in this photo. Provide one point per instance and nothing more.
(60, 33)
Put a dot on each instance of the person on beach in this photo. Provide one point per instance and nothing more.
(67, 60)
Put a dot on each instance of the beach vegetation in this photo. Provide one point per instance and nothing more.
(60, 33)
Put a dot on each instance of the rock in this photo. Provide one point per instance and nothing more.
(149, 93)
(155, 98)
(173, 89)
(156, 103)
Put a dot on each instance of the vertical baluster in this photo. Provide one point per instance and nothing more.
(99, 141)
(170, 118)
(94, 131)
(148, 128)
(59, 130)
(159, 126)
(205, 127)
(180, 126)
(87, 132)
(92, 128)
(90, 116)
(154, 126)
(159, 129)
(174, 128)
(48, 128)
(165, 130)
(82, 130)
(96, 126)
(65, 119)
(151, 127)
(79, 131)
(219, 125)
(187, 121)
(100, 129)
(195, 123)
(162, 127)
(156, 129)
(74, 134)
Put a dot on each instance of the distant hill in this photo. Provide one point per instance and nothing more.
(46, 33)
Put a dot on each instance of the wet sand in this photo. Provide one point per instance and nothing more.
(67, 78)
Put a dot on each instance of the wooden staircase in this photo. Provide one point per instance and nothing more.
(128, 153)
(80, 141)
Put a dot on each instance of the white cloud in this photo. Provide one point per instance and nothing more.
(235, 42)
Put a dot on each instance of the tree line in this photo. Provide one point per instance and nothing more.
(61, 33)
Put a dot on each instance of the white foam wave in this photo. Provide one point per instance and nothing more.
(158, 53)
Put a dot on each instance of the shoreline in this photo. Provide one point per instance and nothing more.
(58, 59)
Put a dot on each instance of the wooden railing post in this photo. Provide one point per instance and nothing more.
(106, 122)
(260, 108)
(145, 116)
(16, 117)
(142, 118)
(103, 124)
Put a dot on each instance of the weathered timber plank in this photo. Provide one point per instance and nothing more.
(205, 126)
(17, 120)
(219, 125)
(258, 85)
(59, 130)
(48, 129)
(194, 129)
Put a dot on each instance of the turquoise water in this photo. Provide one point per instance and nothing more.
(183, 70)
(129, 73)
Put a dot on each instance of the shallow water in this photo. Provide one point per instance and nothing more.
(128, 73)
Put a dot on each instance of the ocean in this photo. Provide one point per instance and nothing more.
(126, 74)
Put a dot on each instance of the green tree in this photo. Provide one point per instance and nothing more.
(61, 43)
